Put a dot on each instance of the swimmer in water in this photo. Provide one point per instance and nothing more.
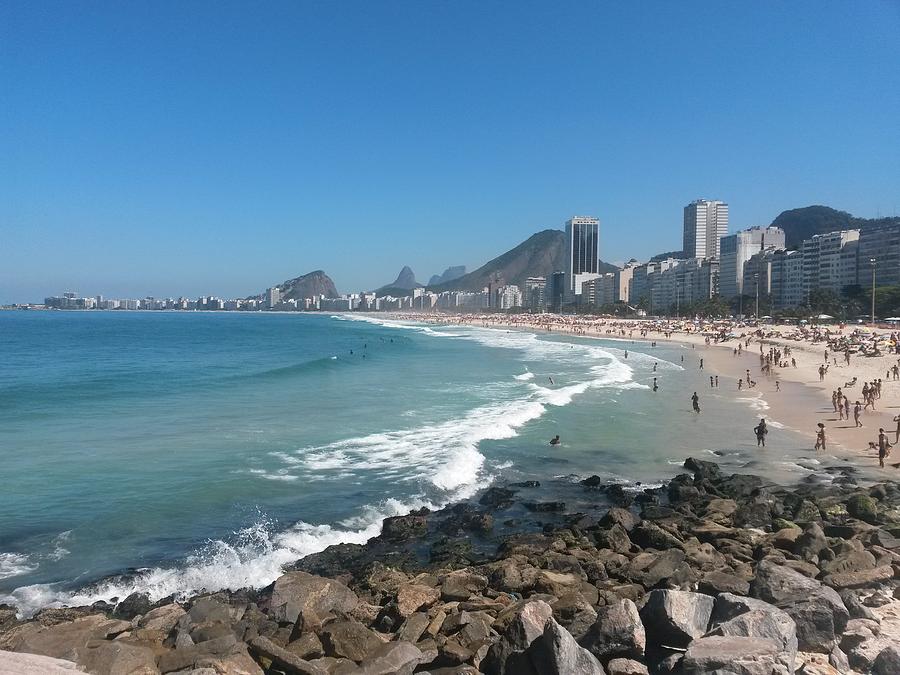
(551, 380)
(655, 386)
(555, 440)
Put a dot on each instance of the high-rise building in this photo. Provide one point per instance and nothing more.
(623, 281)
(273, 295)
(786, 280)
(736, 249)
(557, 291)
(535, 293)
(705, 223)
(825, 264)
(881, 242)
(582, 237)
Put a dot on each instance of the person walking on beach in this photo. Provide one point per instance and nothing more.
(710, 381)
(701, 364)
(897, 420)
(777, 385)
(884, 447)
(821, 373)
(740, 384)
(846, 408)
(820, 438)
(761, 430)
(856, 410)
(695, 403)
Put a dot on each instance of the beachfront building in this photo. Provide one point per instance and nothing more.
(273, 295)
(508, 296)
(535, 296)
(736, 249)
(599, 292)
(786, 279)
(623, 281)
(557, 291)
(824, 263)
(582, 240)
(684, 282)
(705, 223)
(881, 242)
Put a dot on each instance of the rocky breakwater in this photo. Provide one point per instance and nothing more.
(709, 574)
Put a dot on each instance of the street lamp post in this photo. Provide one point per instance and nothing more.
(872, 261)
(677, 300)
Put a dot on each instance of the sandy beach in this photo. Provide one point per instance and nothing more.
(792, 397)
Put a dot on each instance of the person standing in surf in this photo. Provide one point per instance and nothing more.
(820, 438)
(695, 403)
(761, 430)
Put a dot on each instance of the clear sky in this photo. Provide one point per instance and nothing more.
(193, 147)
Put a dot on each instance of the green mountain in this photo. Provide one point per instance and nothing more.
(540, 255)
(800, 224)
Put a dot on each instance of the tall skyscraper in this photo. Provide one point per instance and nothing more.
(582, 238)
(705, 223)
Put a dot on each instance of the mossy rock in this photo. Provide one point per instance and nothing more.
(783, 524)
(807, 512)
(835, 511)
(863, 507)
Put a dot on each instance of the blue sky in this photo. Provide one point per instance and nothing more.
(218, 147)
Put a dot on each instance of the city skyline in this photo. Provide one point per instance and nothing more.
(226, 155)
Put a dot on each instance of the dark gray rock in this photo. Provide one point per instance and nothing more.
(674, 618)
(132, 606)
(264, 648)
(556, 652)
(887, 662)
(735, 616)
(817, 610)
(617, 632)
(392, 658)
(349, 640)
(525, 623)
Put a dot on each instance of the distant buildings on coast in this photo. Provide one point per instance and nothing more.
(751, 263)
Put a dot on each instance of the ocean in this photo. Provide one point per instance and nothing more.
(172, 452)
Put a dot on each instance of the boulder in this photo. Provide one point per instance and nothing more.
(615, 538)
(811, 542)
(734, 616)
(617, 632)
(462, 585)
(271, 654)
(626, 667)
(718, 581)
(61, 641)
(308, 646)
(349, 640)
(196, 656)
(296, 592)
(621, 517)
(411, 597)
(556, 652)
(399, 658)
(860, 579)
(863, 507)
(403, 528)
(734, 656)
(575, 614)
(674, 618)
(12, 663)
(162, 619)
(132, 606)
(413, 628)
(524, 623)
(497, 497)
(887, 662)
(118, 658)
(651, 535)
(817, 610)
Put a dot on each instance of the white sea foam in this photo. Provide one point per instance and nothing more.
(15, 564)
(253, 558)
(524, 377)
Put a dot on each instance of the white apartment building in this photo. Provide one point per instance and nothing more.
(736, 249)
(705, 223)
(825, 264)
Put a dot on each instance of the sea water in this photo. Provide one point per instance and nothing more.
(172, 452)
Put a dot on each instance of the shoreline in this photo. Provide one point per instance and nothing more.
(442, 589)
(799, 405)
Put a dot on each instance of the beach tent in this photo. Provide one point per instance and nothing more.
(824, 316)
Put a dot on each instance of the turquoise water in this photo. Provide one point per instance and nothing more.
(207, 450)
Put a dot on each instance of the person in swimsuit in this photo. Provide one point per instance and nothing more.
(655, 387)
(820, 437)
(695, 403)
(761, 430)
(884, 448)
(555, 440)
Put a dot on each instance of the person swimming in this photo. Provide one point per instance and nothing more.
(551, 380)
(555, 440)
